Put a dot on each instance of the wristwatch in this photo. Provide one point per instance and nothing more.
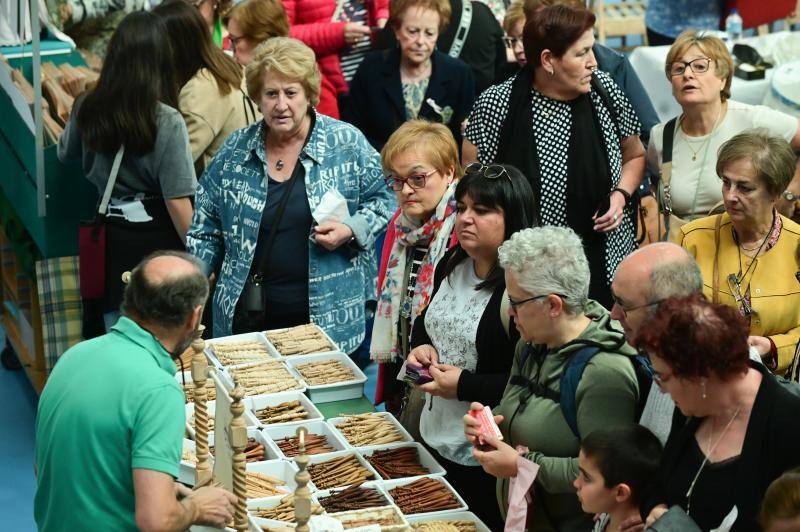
(790, 196)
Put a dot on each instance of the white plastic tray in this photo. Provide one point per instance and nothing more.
(320, 458)
(249, 337)
(227, 379)
(274, 351)
(425, 458)
(450, 516)
(249, 419)
(317, 427)
(389, 485)
(186, 473)
(339, 391)
(402, 526)
(271, 451)
(257, 402)
(279, 469)
(406, 436)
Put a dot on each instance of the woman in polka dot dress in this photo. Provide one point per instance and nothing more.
(573, 133)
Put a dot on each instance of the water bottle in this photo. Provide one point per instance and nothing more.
(733, 25)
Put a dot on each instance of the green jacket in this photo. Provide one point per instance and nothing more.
(606, 396)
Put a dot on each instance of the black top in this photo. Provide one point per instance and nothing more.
(495, 346)
(588, 182)
(286, 273)
(769, 449)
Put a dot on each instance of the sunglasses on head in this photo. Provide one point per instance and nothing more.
(491, 171)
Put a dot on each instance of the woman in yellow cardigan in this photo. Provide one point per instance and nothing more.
(749, 254)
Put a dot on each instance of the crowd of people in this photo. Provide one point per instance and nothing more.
(469, 206)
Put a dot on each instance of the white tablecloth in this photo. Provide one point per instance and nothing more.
(648, 62)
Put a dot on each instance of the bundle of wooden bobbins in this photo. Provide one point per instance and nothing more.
(188, 390)
(369, 429)
(353, 498)
(441, 525)
(341, 471)
(281, 413)
(384, 517)
(270, 376)
(424, 495)
(401, 462)
(325, 372)
(300, 340)
(284, 511)
(261, 485)
(315, 444)
(241, 352)
(253, 451)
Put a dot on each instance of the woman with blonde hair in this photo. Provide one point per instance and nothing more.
(271, 273)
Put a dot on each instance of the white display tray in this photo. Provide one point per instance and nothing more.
(339, 391)
(425, 458)
(187, 470)
(227, 378)
(406, 436)
(246, 337)
(249, 418)
(389, 485)
(257, 402)
(450, 516)
(403, 526)
(320, 458)
(318, 427)
(271, 451)
(274, 351)
(279, 469)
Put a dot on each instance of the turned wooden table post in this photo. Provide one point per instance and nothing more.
(238, 440)
(302, 495)
(200, 378)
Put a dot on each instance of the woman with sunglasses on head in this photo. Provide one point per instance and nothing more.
(463, 337)
(742, 430)
(420, 162)
(547, 278)
(749, 254)
(700, 70)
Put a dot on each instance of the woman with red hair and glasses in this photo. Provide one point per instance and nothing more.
(572, 132)
(742, 430)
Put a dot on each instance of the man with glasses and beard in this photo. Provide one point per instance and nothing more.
(110, 421)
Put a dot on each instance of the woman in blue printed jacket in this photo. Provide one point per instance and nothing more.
(253, 226)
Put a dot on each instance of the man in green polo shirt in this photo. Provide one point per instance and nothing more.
(110, 424)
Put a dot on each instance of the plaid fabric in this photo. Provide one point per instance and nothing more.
(60, 306)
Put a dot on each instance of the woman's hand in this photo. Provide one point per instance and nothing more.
(331, 235)
(655, 514)
(355, 32)
(761, 344)
(501, 461)
(444, 383)
(612, 218)
(472, 425)
(423, 355)
(632, 524)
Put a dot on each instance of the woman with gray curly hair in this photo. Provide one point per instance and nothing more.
(561, 331)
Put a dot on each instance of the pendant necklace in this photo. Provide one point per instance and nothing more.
(279, 164)
(706, 140)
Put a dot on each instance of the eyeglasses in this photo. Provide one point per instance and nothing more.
(491, 171)
(625, 310)
(514, 304)
(235, 40)
(736, 290)
(415, 181)
(698, 66)
(511, 42)
(660, 378)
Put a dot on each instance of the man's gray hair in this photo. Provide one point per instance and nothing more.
(549, 260)
(674, 278)
(167, 303)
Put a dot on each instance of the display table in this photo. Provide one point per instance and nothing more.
(348, 407)
(648, 62)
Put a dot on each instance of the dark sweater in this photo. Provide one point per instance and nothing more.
(495, 347)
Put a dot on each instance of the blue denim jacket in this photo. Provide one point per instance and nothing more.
(230, 200)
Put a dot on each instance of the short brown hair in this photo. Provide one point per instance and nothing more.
(529, 6)
(697, 338)
(712, 47)
(772, 158)
(434, 142)
(260, 20)
(286, 57)
(397, 9)
(555, 28)
(781, 500)
(514, 14)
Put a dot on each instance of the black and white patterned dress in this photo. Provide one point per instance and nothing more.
(553, 128)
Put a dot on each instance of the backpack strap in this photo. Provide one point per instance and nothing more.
(604, 96)
(462, 31)
(570, 378)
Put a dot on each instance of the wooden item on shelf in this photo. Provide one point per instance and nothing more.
(238, 439)
(60, 102)
(315, 444)
(323, 372)
(302, 495)
(401, 462)
(620, 19)
(270, 376)
(340, 471)
(445, 525)
(353, 497)
(240, 352)
(199, 366)
(424, 495)
(300, 340)
(369, 429)
(73, 80)
(281, 413)
(284, 511)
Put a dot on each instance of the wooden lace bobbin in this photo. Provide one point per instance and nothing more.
(302, 495)
(238, 439)
(199, 367)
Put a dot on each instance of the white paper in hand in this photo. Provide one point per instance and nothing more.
(332, 208)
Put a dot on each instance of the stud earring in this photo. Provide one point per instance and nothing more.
(703, 388)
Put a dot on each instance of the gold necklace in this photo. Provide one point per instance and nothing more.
(705, 141)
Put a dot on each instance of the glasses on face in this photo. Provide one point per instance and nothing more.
(491, 171)
(698, 66)
(626, 309)
(514, 303)
(415, 181)
(661, 378)
(736, 290)
(511, 42)
(235, 41)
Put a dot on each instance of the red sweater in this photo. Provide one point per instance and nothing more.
(310, 22)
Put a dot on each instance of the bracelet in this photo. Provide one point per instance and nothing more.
(625, 194)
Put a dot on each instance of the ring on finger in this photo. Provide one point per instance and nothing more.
(615, 217)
